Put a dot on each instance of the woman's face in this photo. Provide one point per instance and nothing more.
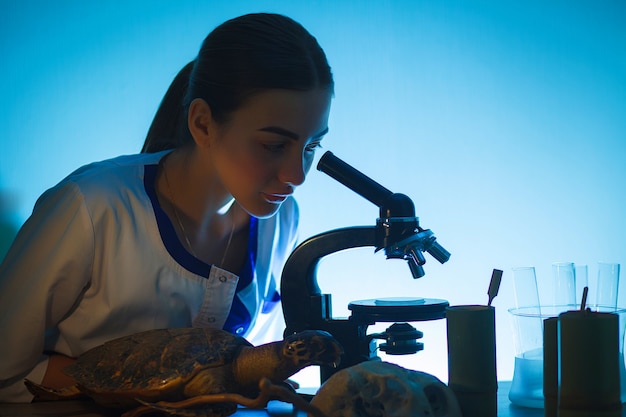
(267, 147)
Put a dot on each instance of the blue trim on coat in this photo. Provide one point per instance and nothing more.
(239, 318)
(168, 234)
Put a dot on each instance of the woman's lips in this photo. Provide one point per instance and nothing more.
(275, 198)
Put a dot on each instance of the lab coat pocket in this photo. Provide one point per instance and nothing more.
(220, 289)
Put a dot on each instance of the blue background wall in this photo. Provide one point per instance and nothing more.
(504, 121)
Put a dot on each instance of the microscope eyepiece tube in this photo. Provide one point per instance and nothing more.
(353, 179)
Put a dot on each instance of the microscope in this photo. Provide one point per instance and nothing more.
(398, 233)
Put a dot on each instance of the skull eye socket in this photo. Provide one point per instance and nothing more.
(437, 399)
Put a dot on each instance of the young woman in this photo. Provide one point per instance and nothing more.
(193, 231)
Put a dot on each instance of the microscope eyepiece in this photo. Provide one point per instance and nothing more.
(353, 179)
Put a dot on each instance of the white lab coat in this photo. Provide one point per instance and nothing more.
(91, 264)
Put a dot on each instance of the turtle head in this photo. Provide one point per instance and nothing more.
(312, 347)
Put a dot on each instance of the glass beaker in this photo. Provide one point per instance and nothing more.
(527, 325)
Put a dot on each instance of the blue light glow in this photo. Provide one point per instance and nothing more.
(504, 121)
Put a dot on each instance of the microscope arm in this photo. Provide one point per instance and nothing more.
(397, 231)
(304, 306)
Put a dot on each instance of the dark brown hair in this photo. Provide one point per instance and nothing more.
(241, 57)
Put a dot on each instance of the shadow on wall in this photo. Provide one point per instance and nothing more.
(8, 223)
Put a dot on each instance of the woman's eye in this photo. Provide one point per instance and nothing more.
(311, 147)
(279, 147)
(274, 147)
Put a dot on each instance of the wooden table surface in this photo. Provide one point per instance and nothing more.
(275, 409)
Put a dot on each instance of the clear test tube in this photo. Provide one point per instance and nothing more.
(525, 287)
(608, 285)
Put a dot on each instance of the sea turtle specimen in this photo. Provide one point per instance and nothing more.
(181, 371)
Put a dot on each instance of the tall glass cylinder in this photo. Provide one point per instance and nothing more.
(564, 283)
(582, 280)
(525, 287)
(608, 285)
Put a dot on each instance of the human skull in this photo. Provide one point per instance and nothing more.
(383, 389)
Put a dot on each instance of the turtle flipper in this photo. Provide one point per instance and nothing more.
(217, 409)
(43, 393)
(267, 392)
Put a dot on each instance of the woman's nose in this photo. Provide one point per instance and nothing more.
(293, 172)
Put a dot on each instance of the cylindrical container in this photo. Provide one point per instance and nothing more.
(589, 370)
(550, 367)
(472, 358)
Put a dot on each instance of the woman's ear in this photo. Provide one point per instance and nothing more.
(200, 122)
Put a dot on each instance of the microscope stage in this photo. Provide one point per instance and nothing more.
(398, 309)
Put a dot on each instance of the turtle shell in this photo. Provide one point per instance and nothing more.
(155, 363)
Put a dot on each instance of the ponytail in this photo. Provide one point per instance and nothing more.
(169, 128)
